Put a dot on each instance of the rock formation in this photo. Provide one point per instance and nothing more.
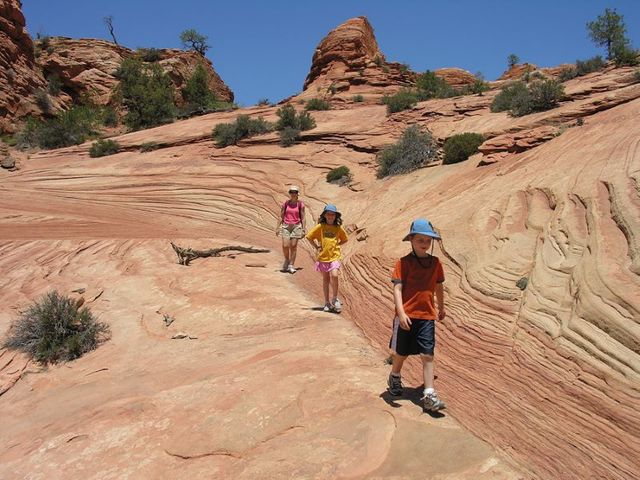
(84, 68)
(20, 76)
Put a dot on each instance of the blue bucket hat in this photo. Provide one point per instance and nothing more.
(330, 207)
(423, 227)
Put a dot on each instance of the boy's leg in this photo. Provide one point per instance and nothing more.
(395, 381)
(427, 370)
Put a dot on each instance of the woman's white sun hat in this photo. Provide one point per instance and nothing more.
(293, 188)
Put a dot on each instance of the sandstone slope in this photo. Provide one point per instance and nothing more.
(548, 373)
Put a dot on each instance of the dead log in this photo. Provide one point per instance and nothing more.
(185, 255)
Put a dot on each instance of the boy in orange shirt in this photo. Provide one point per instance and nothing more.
(417, 278)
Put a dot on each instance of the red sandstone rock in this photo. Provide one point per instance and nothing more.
(348, 60)
(456, 77)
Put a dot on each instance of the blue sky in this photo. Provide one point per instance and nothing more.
(263, 49)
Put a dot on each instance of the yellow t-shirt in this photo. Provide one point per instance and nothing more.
(330, 238)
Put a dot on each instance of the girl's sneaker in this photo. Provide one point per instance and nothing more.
(432, 403)
(337, 306)
(327, 307)
(285, 266)
(395, 385)
(291, 269)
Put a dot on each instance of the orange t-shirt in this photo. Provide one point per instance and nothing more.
(419, 277)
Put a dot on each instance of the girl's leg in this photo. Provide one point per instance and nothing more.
(427, 370)
(293, 250)
(334, 282)
(286, 243)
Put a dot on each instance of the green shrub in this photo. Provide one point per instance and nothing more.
(146, 92)
(54, 84)
(109, 117)
(102, 148)
(196, 93)
(44, 101)
(288, 136)
(226, 134)
(503, 100)
(458, 148)
(338, 173)
(149, 147)
(149, 54)
(403, 100)
(636, 76)
(521, 99)
(56, 329)
(317, 104)
(357, 98)
(567, 73)
(429, 85)
(625, 56)
(414, 149)
(70, 127)
(288, 117)
(590, 65)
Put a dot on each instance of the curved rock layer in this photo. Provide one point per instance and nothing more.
(539, 353)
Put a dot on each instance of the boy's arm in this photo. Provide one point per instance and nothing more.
(440, 300)
(405, 321)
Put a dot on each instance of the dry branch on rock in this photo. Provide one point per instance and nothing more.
(185, 255)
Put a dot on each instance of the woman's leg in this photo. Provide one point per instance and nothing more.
(286, 244)
(293, 250)
(325, 286)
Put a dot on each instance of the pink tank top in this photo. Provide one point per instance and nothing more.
(292, 213)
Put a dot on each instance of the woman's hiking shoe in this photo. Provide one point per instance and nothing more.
(337, 306)
(291, 269)
(327, 307)
(395, 385)
(432, 403)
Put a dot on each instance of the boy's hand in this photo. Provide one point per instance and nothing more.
(405, 321)
(441, 313)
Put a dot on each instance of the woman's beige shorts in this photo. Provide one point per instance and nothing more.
(292, 231)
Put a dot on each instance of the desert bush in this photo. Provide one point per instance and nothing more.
(102, 148)
(226, 134)
(289, 117)
(109, 117)
(196, 92)
(338, 173)
(70, 127)
(626, 56)
(288, 136)
(44, 101)
(146, 92)
(55, 329)
(317, 104)
(148, 147)
(264, 102)
(593, 64)
(357, 98)
(429, 85)
(635, 77)
(521, 99)
(414, 149)
(54, 85)
(567, 73)
(458, 148)
(403, 100)
(149, 54)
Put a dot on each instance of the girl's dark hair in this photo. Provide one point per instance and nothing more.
(338, 221)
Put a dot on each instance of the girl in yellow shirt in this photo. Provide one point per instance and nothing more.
(326, 237)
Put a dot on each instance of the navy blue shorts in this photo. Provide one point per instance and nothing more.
(420, 339)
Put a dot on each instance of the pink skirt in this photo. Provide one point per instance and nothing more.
(327, 266)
